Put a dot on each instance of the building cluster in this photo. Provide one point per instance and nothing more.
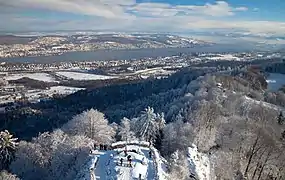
(158, 67)
(180, 60)
(54, 45)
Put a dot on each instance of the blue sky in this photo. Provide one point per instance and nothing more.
(254, 20)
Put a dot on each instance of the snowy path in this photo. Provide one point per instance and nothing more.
(150, 168)
(125, 173)
(102, 170)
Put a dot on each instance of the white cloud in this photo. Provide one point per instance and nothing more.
(105, 8)
(221, 8)
(127, 15)
(241, 9)
(119, 2)
(117, 8)
(153, 9)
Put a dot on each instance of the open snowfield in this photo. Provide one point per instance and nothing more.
(83, 76)
(158, 70)
(226, 57)
(62, 90)
(36, 76)
(275, 81)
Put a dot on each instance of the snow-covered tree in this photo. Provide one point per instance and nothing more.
(8, 146)
(30, 161)
(68, 158)
(179, 166)
(146, 125)
(92, 124)
(125, 131)
(4, 175)
(161, 121)
(3, 82)
(51, 156)
(177, 136)
(161, 125)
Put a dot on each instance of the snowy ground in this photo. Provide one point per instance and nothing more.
(157, 70)
(36, 76)
(275, 81)
(63, 90)
(249, 101)
(34, 95)
(226, 57)
(83, 76)
(109, 166)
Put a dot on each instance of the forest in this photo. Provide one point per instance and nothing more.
(230, 115)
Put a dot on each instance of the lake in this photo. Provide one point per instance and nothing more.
(275, 81)
(122, 54)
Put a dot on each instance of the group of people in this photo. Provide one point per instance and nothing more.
(129, 157)
(129, 160)
(103, 147)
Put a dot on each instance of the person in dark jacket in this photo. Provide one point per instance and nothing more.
(130, 161)
(121, 161)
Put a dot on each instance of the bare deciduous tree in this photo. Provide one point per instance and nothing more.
(92, 124)
(125, 131)
(177, 136)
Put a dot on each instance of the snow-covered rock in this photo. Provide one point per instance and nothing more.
(199, 163)
(160, 165)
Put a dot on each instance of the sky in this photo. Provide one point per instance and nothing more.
(254, 20)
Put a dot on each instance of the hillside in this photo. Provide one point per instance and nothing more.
(204, 124)
(114, 163)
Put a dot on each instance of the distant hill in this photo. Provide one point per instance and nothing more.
(11, 39)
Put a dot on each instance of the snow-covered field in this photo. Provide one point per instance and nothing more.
(33, 95)
(225, 57)
(36, 76)
(145, 73)
(158, 70)
(275, 81)
(63, 90)
(83, 76)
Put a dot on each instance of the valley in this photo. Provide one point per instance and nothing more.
(182, 116)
